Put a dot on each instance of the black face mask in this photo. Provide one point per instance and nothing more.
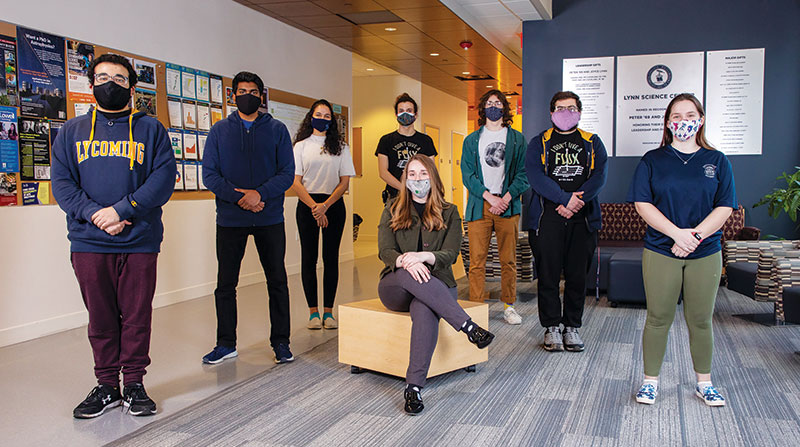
(248, 104)
(112, 96)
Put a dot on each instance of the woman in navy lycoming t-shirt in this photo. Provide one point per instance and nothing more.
(684, 191)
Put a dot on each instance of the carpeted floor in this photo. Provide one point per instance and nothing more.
(522, 396)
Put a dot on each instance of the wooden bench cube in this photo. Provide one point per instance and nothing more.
(375, 338)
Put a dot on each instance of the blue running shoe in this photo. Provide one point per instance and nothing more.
(219, 354)
(710, 396)
(282, 353)
(647, 394)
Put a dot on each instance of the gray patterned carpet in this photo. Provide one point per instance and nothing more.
(522, 396)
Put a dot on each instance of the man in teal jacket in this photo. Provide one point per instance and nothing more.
(493, 170)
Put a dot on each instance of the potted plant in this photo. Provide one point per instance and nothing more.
(784, 199)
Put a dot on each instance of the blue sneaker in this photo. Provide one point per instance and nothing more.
(647, 394)
(219, 354)
(710, 396)
(282, 353)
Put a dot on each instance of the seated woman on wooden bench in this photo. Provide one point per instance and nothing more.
(418, 239)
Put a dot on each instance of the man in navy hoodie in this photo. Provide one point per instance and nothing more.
(248, 164)
(112, 171)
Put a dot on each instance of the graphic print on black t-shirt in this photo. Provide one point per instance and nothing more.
(567, 161)
(495, 154)
(400, 148)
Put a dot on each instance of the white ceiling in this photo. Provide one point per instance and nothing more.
(500, 21)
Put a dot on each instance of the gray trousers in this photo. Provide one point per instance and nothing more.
(427, 303)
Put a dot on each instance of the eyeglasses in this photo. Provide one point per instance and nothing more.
(102, 78)
(570, 108)
(494, 104)
(253, 92)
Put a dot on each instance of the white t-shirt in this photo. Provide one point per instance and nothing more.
(321, 170)
(492, 152)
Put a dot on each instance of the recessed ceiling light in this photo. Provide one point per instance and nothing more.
(390, 29)
(370, 69)
(488, 86)
(434, 54)
(464, 72)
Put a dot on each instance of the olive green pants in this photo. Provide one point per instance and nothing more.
(664, 277)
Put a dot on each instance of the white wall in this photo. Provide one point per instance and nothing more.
(38, 291)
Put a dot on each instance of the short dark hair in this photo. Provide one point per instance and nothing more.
(405, 97)
(508, 118)
(113, 59)
(565, 95)
(246, 76)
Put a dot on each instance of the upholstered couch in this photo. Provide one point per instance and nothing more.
(620, 247)
(524, 258)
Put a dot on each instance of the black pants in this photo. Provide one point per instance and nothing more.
(562, 246)
(271, 244)
(309, 244)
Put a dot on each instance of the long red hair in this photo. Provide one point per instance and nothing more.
(432, 216)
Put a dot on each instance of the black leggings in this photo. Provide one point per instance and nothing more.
(309, 243)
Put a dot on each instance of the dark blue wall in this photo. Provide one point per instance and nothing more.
(593, 28)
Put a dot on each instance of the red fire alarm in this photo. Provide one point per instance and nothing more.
(465, 44)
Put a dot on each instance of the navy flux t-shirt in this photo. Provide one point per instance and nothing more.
(685, 193)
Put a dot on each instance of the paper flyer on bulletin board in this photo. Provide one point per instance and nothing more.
(179, 177)
(201, 144)
(190, 175)
(203, 86)
(645, 86)
(8, 79)
(216, 88)
(735, 100)
(34, 149)
(9, 140)
(188, 83)
(592, 79)
(203, 117)
(189, 114)
(145, 74)
(42, 80)
(35, 193)
(190, 146)
(145, 101)
(290, 115)
(176, 140)
(8, 189)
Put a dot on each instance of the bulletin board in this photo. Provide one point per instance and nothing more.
(162, 109)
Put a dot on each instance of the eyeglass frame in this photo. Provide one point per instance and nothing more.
(570, 108)
(116, 78)
(499, 104)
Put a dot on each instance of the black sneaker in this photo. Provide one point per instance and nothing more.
(100, 399)
(282, 353)
(413, 400)
(479, 336)
(137, 402)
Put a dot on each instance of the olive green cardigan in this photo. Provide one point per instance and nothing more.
(444, 244)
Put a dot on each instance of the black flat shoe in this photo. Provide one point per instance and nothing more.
(480, 337)
(413, 401)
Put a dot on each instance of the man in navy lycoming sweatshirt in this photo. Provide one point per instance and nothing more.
(249, 164)
(112, 171)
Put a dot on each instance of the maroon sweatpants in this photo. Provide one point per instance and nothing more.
(118, 291)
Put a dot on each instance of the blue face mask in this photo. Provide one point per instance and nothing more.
(406, 119)
(320, 124)
(493, 113)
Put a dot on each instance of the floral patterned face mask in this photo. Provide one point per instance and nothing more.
(683, 130)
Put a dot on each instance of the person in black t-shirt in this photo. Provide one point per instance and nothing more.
(566, 168)
(396, 148)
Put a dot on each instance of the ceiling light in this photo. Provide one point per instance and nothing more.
(488, 86)
(390, 29)
(464, 72)
(434, 54)
(370, 69)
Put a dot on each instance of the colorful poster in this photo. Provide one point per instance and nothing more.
(216, 114)
(593, 80)
(190, 175)
(175, 112)
(230, 97)
(189, 115)
(145, 101)
(735, 100)
(188, 83)
(35, 193)
(179, 177)
(176, 139)
(8, 189)
(216, 89)
(8, 78)
(9, 136)
(79, 56)
(42, 80)
(203, 117)
(34, 149)
(645, 86)
(201, 144)
(173, 79)
(190, 145)
(145, 74)
(203, 86)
